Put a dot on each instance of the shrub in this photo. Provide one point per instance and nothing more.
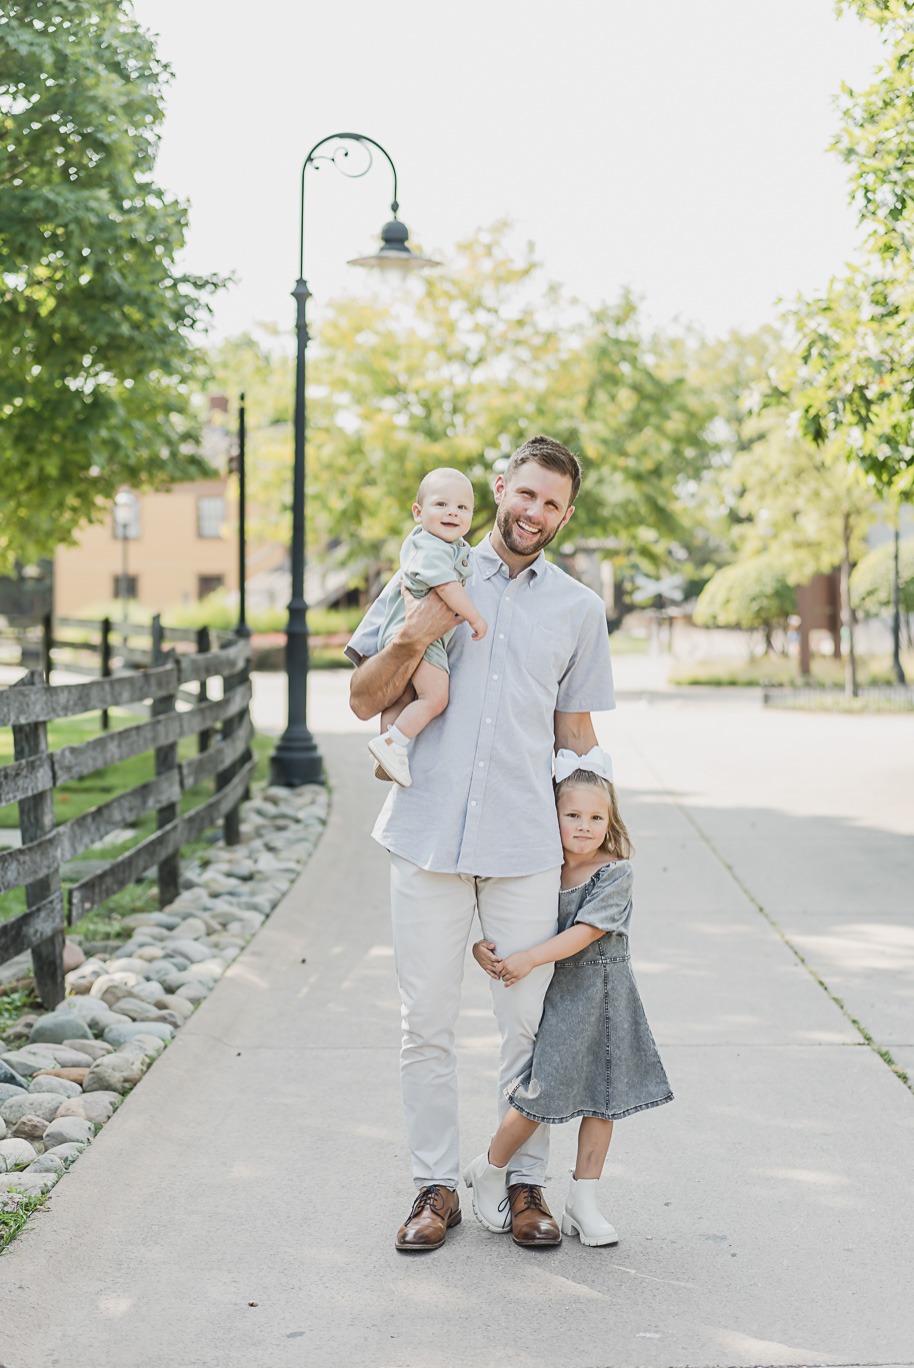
(871, 580)
(749, 594)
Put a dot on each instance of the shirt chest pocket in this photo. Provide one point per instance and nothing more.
(547, 657)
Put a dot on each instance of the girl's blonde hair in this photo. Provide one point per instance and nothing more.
(617, 841)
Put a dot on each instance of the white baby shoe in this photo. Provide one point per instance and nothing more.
(582, 1216)
(491, 1205)
(393, 759)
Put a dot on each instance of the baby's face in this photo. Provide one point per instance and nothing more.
(446, 509)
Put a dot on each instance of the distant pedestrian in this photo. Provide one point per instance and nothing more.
(594, 1056)
(476, 834)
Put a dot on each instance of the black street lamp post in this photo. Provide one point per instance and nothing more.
(296, 759)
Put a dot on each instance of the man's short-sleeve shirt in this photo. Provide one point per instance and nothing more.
(481, 798)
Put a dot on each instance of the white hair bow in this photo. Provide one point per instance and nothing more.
(597, 761)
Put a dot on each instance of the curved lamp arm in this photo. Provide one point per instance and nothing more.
(312, 160)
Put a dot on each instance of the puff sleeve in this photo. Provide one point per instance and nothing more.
(608, 907)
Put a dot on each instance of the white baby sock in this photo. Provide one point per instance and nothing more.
(397, 736)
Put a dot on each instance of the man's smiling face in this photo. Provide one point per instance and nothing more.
(533, 508)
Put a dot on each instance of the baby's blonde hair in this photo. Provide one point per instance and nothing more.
(449, 472)
(617, 841)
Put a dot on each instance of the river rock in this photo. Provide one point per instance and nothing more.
(191, 928)
(29, 1128)
(80, 980)
(57, 1027)
(189, 976)
(2, 1129)
(115, 993)
(10, 1077)
(147, 1046)
(70, 1075)
(30, 1104)
(149, 953)
(164, 969)
(194, 992)
(45, 1082)
(119, 1035)
(68, 1130)
(73, 956)
(16, 1153)
(93, 1048)
(29, 1184)
(125, 979)
(8, 1090)
(147, 991)
(46, 1163)
(114, 1073)
(136, 1010)
(127, 965)
(170, 1002)
(188, 949)
(67, 1153)
(94, 1107)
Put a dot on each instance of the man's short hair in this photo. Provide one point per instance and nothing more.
(550, 454)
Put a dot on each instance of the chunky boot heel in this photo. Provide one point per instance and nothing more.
(583, 1218)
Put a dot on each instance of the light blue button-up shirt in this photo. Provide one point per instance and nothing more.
(481, 798)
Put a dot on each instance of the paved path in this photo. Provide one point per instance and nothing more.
(765, 1216)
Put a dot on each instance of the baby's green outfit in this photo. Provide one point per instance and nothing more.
(425, 562)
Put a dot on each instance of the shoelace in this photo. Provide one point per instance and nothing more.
(530, 1195)
(428, 1197)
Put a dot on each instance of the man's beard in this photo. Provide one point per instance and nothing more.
(505, 521)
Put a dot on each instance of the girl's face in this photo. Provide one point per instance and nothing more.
(583, 820)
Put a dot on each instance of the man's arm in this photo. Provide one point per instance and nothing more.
(380, 679)
(574, 731)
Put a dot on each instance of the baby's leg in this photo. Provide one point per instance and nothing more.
(390, 715)
(515, 1130)
(431, 685)
(593, 1142)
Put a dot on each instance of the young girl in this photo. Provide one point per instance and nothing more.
(594, 1055)
(434, 556)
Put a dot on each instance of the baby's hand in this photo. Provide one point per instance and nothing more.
(516, 967)
(484, 954)
(480, 627)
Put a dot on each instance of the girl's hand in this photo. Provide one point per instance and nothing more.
(516, 967)
(484, 954)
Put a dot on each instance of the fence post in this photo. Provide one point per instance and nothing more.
(36, 819)
(47, 645)
(203, 645)
(231, 827)
(106, 662)
(166, 757)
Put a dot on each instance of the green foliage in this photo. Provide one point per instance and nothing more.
(220, 611)
(872, 579)
(749, 594)
(96, 322)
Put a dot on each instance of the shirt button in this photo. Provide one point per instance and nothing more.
(495, 676)
(472, 802)
(489, 720)
(501, 636)
(482, 764)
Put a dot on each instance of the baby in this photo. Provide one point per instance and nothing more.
(434, 556)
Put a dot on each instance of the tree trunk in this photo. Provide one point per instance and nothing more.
(897, 671)
(847, 616)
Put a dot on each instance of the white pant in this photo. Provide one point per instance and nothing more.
(432, 917)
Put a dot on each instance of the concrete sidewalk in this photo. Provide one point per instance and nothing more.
(765, 1216)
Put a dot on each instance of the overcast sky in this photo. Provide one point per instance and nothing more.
(674, 146)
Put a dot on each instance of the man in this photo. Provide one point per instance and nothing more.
(477, 831)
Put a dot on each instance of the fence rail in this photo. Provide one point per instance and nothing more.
(224, 730)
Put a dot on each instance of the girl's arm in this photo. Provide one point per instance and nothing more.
(577, 937)
(457, 598)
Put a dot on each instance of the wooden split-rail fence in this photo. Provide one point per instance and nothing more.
(223, 728)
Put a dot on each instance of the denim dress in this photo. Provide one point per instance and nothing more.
(594, 1053)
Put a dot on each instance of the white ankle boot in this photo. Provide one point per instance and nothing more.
(582, 1216)
(491, 1206)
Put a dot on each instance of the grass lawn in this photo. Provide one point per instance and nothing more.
(774, 669)
(77, 797)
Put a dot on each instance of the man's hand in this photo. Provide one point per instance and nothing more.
(426, 620)
(484, 954)
(516, 967)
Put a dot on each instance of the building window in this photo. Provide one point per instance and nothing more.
(208, 584)
(118, 590)
(210, 515)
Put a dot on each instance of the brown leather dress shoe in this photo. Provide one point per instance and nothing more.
(434, 1211)
(532, 1223)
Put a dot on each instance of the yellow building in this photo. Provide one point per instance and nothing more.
(180, 547)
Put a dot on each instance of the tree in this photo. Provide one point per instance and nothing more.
(750, 594)
(96, 324)
(462, 372)
(872, 582)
